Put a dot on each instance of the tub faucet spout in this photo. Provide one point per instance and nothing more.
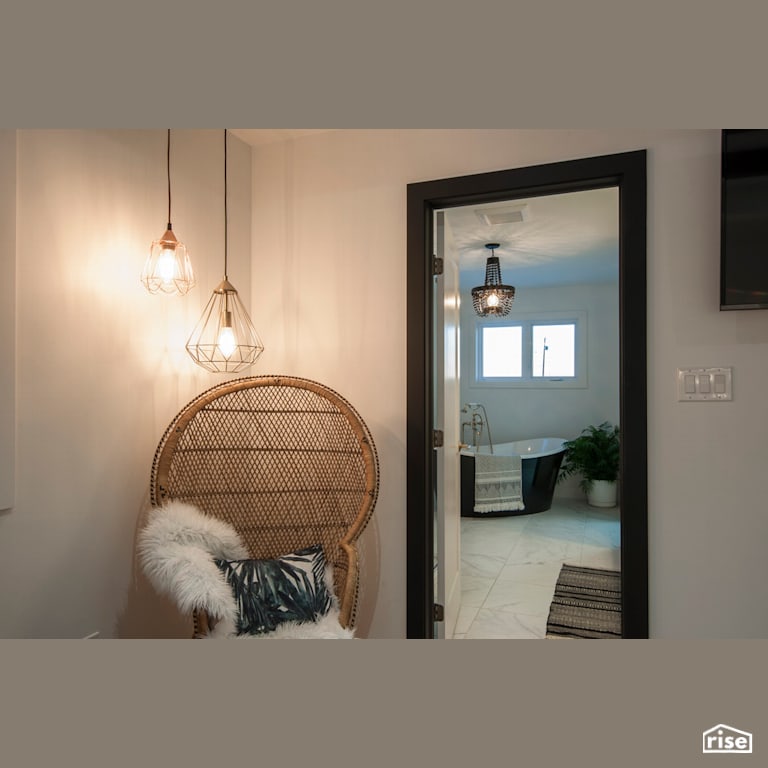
(477, 422)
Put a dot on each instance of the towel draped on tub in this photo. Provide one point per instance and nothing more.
(498, 483)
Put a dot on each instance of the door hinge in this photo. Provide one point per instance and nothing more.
(437, 438)
(437, 266)
(438, 612)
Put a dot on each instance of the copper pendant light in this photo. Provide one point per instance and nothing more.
(224, 339)
(168, 268)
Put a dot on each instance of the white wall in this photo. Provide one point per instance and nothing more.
(101, 365)
(330, 263)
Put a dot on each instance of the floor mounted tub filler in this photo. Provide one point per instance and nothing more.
(540, 459)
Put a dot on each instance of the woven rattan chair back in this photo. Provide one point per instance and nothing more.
(286, 461)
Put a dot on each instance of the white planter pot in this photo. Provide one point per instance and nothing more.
(602, 493)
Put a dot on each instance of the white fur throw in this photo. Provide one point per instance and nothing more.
(325, 628)
(177, 549)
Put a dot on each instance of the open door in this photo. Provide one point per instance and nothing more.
(447, 522)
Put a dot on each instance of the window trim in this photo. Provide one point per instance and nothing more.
(527, 320)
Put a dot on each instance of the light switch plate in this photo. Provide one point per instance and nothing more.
(704, 384)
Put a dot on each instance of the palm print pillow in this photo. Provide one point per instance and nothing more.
(271, 592)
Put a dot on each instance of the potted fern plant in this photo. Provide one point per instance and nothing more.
(594, 455)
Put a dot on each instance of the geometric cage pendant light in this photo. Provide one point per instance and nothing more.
(224, 339)
(167, 268)
(493, 299)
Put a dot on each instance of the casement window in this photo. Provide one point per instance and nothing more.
(545, 350)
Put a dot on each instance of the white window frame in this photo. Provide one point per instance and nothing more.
(526, 321)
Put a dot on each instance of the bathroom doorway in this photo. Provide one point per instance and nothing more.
(556, 372)
(626, 172)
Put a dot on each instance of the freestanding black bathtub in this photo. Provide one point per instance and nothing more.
(541, 460)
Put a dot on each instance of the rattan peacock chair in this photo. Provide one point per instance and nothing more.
(286, 461)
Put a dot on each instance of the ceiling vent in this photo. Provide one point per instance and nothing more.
(503, 215)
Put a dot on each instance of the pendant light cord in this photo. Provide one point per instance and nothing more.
(168, 166)
(225, 203)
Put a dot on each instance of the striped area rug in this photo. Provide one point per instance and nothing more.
(586, 604)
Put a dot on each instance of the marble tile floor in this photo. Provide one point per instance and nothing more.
(509, 565)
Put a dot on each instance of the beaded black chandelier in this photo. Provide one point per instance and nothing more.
(494, 299)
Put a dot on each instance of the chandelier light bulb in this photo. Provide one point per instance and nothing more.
(166, 266)
(226, 343)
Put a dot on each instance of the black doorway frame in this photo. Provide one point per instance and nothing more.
(627, 171)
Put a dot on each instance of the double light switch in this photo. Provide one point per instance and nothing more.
(704, 384)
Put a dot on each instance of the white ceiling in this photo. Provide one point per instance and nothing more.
(259, 136)
(563, 239)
